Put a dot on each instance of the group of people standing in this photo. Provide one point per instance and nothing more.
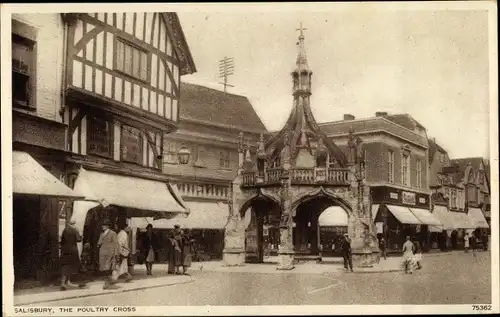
(179, 249)
(114, 254)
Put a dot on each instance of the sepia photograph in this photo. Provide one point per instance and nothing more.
(236, 159)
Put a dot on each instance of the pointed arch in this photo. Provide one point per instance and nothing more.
(322, 192)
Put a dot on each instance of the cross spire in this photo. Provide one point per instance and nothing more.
(301, 29)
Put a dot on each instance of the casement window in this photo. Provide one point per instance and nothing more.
(131, 60)
(419, 174)
(132, 145)
(331, 161)
(99, 137)
(171, 151)
(224, 159)
(23, 71)
(390, 167)
(405, 170)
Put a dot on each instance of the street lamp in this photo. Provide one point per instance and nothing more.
(184, 155)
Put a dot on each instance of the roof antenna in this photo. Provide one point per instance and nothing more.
(226, 68)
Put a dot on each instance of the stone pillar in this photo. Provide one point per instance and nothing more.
(286, 251)
(234, 235)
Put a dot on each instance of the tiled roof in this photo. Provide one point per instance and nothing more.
(404, 120)
(371, 124)
(214, 106)
(433, 148)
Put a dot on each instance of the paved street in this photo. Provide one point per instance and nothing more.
(447, 279)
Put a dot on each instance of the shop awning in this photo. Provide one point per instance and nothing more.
(461, 220)
(203, 215)
(404, 215)
(29, 177)
(141, 197)
(478, 218)
(426, 217)
(441, 212)
(333, 216)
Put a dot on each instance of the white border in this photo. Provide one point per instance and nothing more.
(7, 270)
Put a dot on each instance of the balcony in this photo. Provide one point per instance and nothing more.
(299, 176)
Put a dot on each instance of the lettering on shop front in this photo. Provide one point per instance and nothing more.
(409, 198)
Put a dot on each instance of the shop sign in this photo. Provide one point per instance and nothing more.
(393, 195)
(409, 198)
(422, 200)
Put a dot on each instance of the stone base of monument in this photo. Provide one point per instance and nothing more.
(233, 257)
(363, 259)
(285, 261)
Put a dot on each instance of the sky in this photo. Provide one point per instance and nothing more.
(432, 65)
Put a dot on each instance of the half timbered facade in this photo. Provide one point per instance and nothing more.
(122, 87)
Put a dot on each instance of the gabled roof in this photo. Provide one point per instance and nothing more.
(180, 44)
(462, 167)
(215, 107)
(433, 148)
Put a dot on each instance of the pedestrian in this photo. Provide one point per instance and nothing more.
(408, 248)
(175, 251)
(69, 260)
(466, 242)
(382, 247)
(150, 248)
(108, 252)
(418, 254)
(187, 250)
(121, 268)
(347, 253)
(485, 241)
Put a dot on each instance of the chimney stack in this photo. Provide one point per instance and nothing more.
(380, 114)
(348, 117)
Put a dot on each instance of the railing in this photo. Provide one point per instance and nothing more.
(305, 176)
(273, 175)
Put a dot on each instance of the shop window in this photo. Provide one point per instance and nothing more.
(131, 60)
(132, 145)
(99, 137)
(390, 166)
(23, 71)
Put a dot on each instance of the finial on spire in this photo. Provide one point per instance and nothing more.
(301, 29)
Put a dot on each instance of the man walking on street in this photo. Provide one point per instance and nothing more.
(108, 251)
(123, 254)
(347, 253)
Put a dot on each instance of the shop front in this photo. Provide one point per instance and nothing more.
(444, 232)
(40, 201)
(398, 214)
(206, 222)
(120, 198)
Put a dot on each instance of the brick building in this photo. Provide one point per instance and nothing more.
(396, 153)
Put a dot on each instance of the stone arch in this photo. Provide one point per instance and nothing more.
(260, 195)
(319, 193)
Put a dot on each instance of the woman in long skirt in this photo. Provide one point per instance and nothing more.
(150, 249)
(69, 260)
(187, 251)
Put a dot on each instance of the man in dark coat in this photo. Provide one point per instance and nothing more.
(149, 248)
(69, 260)
(347, 252)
